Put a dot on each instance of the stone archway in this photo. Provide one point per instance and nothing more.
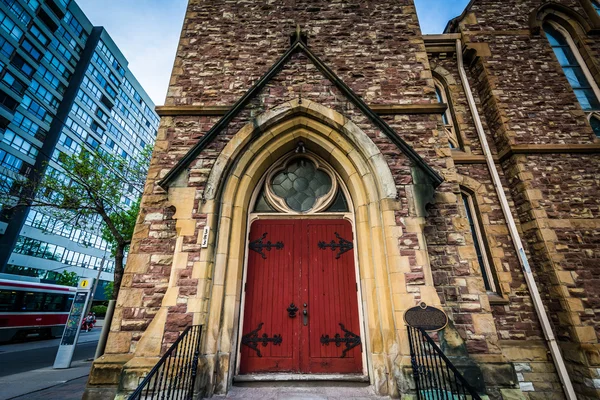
(356, 159)
(366, 174)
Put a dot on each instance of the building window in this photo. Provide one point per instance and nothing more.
(35, 31)
(43, 93)
(10, 27)
(6, 49)
(19, 63)
(577, 73)
(20, 144)
(53, 81)
(449, 129)
(477, 233)
(33, 4)
(596, 6)
(36, 109)
(75, 26)
(10, 162)
(69, 39)
(18, 11)
(58, 66)
(300, 184)
(8, 102)
(31, 50)
(62, 50)
(13, 83)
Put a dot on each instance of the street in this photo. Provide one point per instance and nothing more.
(27, 356)
(27, 367)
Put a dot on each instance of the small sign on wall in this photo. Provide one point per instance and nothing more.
(426, 317)
(205, 233)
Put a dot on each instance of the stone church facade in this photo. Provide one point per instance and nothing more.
(461, 170)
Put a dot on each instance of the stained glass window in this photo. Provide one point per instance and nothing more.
(442, 97)
(477, 241)
(572, 69)
(595, 123)
(262, 205)
(339, 203)
(300, 184)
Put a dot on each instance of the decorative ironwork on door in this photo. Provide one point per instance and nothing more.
(252, 339)
(292, 310)
(350, 339)
(343, 245)
(258, 245)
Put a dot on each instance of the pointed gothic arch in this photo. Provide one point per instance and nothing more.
(227, 199)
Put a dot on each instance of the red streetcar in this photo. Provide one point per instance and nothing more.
(28, 308)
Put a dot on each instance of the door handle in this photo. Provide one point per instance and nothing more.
(305, 317)
(292, 310)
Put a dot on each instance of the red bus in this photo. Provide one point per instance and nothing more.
(33, 308)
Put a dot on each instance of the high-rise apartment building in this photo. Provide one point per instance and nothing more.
(64, 86)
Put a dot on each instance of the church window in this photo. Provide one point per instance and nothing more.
(596, 6)
(449, 129)
(576, 72)
(480, 248)
(300, 184)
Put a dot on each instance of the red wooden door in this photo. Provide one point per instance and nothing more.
(301, 306)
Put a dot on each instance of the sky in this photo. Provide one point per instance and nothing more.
(147, 32)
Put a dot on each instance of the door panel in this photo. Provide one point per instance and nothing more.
(301, 261)
(332, 297)
(272, 283)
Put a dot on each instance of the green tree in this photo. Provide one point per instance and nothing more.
(108, 290)
(85, 191)
(67, 278)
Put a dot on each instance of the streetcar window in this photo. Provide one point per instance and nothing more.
(54, 302)
(69, 301)
(32, 301)
(8, 300)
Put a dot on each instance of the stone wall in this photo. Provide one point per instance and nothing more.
(548, 155)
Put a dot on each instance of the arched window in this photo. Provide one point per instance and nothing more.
(449, 128)
(485, 264)
(576, 71)
(596, 6)
(301, 184)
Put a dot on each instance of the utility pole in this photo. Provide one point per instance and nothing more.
(96, 284)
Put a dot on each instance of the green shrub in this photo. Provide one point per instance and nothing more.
(99, 310)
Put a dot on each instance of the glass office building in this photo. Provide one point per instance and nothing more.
(64, 86)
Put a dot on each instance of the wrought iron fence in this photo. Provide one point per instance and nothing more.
(174, 375)
(435, 376)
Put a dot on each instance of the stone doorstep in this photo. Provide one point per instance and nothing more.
(311, 378)
(318, 390)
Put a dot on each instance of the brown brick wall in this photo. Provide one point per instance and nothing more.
(217, 56)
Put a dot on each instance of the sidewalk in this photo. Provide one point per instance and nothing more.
(71, 390)
(47, 383)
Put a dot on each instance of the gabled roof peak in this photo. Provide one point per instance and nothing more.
(299, 44)
(298, 36)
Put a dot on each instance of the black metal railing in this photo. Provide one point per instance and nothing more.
(436, 378)
(174, 375)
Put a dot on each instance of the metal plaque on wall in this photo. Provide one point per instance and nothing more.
(425, 317)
